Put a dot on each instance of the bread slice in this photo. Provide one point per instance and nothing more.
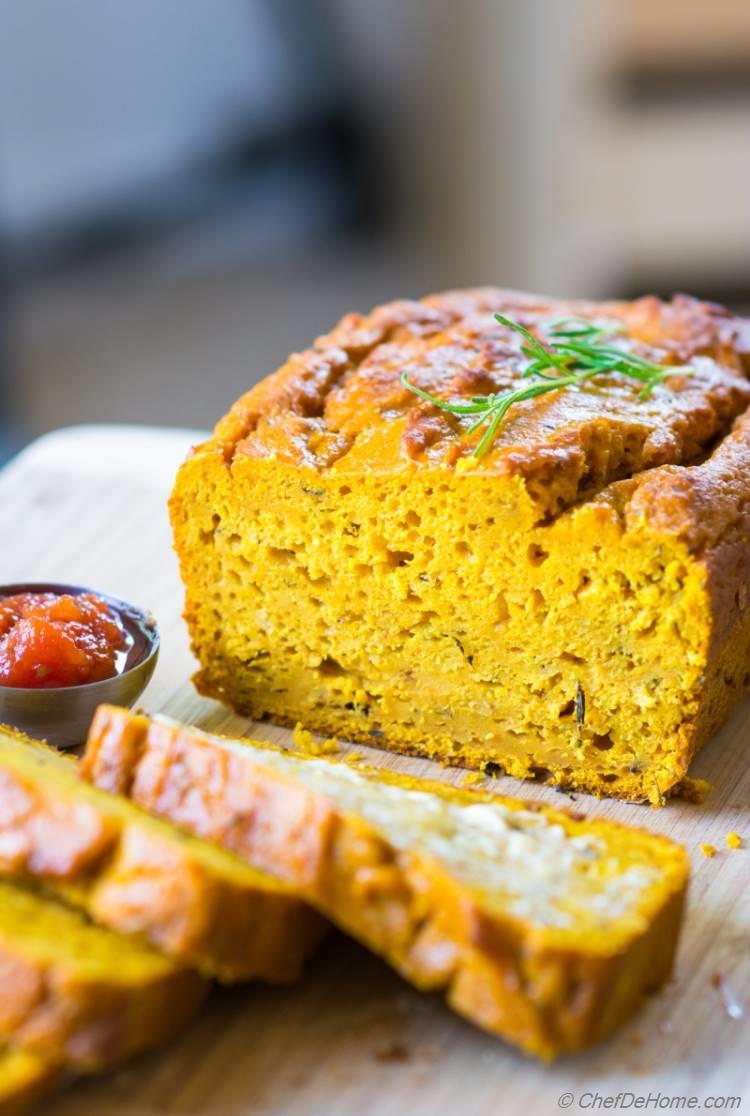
(133, 873)
(24, 1079)
(539, 926)
(573, 606)
(81, 995)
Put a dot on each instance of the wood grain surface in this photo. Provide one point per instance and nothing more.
(87, 505)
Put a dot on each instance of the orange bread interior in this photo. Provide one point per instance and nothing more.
(572, 606)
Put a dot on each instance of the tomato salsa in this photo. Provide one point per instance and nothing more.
(57, 639)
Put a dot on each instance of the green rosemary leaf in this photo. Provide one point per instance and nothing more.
(576, 353)
(490, 432)
(536, 368)
(455, 408)
(478, 422)
(537, 349)
(580, 327)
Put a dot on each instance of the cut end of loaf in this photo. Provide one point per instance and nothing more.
(573, 608)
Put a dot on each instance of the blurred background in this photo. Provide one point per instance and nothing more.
(191, 189)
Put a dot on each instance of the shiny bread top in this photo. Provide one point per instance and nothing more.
(341, 405)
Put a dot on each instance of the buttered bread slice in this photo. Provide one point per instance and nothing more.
(80, 995)
(539, 926)
(137, 874)
(24, 1079)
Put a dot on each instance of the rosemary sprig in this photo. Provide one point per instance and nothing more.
(575, 352)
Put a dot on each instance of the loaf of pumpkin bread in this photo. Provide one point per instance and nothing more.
(24, 1079)
(80, 995)
(139, 875)
(539, 926)
(571, 605)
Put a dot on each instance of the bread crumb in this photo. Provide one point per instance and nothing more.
(472, 778)
(303, 738)
(708, 850)
(734, 841)
(692, 790)
(657, 797)
(306, 743)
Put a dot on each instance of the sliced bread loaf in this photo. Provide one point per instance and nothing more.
(79, 994)
(539, 926)
(131, 872)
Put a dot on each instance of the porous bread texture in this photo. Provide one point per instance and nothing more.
(572, 607)
(80, 995)
(539, 926)
(139, 875)
(24, 1079)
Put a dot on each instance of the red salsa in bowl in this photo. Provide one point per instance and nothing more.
(50, 640)
(65, 650)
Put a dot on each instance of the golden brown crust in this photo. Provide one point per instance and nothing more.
(537, 989)
(134, 875)
(341, 404)
(86, 997)
(91, 1027)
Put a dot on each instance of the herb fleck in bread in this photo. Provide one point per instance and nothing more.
(81, 995)
(575, 605)
(539, 926)
(137, 874)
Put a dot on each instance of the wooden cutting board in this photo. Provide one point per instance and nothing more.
(87, 506)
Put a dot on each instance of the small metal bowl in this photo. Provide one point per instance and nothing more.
(62, 715)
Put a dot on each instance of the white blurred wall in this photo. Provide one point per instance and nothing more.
(502, 141)
(98, 97)
(524, 163)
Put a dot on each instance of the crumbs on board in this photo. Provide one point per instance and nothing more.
(305, 741)
(473, 778)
